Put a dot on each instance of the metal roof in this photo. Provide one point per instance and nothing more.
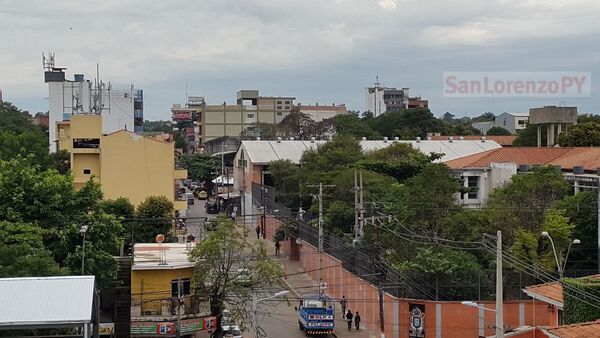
(147, 256)
(263, 152)
(46, 301)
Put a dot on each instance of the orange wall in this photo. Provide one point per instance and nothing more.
(457, 320)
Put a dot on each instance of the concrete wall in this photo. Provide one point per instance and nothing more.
(553, 114)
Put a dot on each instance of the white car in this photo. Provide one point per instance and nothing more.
(232, 331)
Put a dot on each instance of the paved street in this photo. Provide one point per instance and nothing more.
(196, 215)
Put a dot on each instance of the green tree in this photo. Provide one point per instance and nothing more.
(229, 270)
(154, 216)
(524, 200)
(200, 166)
(22, 252)
(419, 121)
(581, 209)
(266, 131)
(580, 300)
(287, 179)
(15, 120)
(498, 131)
(487, 116)
(581, 135)
(121, 208)
(341, 152)
(158, 126)
(528, 137)
(350, 124)
(398, 160)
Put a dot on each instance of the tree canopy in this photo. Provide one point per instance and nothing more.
(498, 131)
(586, 134)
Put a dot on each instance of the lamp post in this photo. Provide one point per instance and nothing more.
(255, 302)
(561, 268)
(83, 231)
(473, 304)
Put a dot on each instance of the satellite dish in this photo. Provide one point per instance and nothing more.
(160, 238)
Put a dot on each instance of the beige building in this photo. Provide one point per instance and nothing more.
(124, 163)
(319, 113)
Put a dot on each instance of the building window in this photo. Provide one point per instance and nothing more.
(473, 185)
(279, 113)
(185, 287)
(287, 107)
(250, 116)
(278, 102)
(86, 143)
(87, 171)
(278, 107)
(287, 102)
(503, 122)
(521, 122)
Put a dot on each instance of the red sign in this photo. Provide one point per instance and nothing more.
(181, 115)
(165, 328)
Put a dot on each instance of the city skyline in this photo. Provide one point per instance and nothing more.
(317, 51)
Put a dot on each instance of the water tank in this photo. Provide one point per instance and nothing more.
(78, 77)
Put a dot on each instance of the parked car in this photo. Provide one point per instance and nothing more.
(190, 198)
(202, 195)
(232, 331)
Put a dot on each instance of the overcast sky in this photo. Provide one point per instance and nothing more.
(321, 51)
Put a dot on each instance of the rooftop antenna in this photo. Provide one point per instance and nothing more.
(377, 83)
(48, 63)
(186, 94)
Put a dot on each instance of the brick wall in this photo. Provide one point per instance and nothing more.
(442, 319)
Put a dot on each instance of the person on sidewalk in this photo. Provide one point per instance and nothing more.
(357, 321)
(349, 320)
(343, 303)
(258, 232)
(277, 246)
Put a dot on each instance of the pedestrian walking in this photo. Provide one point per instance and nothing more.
(349, 320)
(233, 215)
(258, 232)
(357, 321)
(277, 246)
(343, 303)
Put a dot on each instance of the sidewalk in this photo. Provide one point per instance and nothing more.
(300, 283)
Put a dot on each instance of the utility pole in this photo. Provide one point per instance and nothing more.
(381, 315)
(361, 220)
(499, 293)
(356, 208)
(179, 299)
(320, 229)
(598, 216)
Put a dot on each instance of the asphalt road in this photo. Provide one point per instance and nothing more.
(196, 215)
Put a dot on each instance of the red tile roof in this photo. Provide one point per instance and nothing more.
(581, 330)
(505, 140)
(550, 292)
(518, 155)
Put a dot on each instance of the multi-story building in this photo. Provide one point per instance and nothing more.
(161, 285)
(513, 122)
(81, 96)
(215, 121)
(380, 99)
(318, 112)
(138, 111)
(125, 164)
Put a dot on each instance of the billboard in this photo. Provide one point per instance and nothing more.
(181, 115)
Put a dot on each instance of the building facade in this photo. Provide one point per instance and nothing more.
(319, 113)
(512, 122)
(125, 164)
(81, 96)
(380, 99)
(161, 285)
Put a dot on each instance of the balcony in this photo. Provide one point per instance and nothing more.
(165, 309)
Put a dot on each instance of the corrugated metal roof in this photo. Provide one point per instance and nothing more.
(31, 301)
(263, 152)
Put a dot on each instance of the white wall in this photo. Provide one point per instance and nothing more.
(374, 101)
(61, 100)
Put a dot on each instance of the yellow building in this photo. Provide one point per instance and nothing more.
(159, 274)
(124, 163)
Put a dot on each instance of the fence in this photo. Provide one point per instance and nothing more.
(364, 263)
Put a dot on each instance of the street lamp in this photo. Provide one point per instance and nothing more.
(561, 268)
(255, 302)
(82, 231)
(473, 304)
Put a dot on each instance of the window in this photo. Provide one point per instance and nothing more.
(250, 116)
(185, 287)
(279, 113)
(504, 122)
(521, 122)
(287, 102)
(87, 171)
(287, 107)
(473, 185)
(86, 143)
(278, 102)
(278, 107)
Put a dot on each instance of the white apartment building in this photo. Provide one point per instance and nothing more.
(80, 96)
(513, 122)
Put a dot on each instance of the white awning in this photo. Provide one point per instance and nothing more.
(224, 180)
(46, 301)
